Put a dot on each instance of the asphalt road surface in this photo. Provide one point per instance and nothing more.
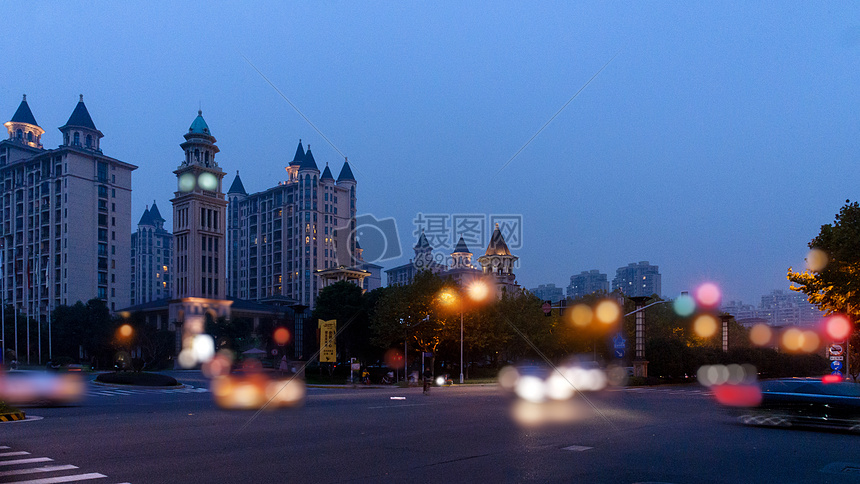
(456, 434)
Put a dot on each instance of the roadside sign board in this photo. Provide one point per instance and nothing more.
(836, 350)
(328, 351)
(619, 353)
(619, 342)
(837, 358)
(547, 307)
(836, 365)
(836, 372)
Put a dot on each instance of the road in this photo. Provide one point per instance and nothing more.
(456, 434)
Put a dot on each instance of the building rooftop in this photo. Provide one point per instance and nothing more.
(23, 114)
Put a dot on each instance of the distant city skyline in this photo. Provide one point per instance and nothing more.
(709, 145)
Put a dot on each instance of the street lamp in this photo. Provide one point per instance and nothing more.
(477, 290)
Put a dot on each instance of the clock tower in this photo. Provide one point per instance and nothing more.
(199, 218)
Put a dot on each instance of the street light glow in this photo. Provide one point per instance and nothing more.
(705, 326)
(607, 311)
(478, 290)
(125, 331)
(581, 315)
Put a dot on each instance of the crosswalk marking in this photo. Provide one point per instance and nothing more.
(11, 454)
(24, 461)
(24, 473)
(53, 480)
(116, 392)
(35, 470)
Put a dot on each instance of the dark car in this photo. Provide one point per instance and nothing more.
(806, 402)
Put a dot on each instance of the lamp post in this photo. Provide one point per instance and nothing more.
(725, 319)
(476, 291)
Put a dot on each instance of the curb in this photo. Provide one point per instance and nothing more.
(11, 417)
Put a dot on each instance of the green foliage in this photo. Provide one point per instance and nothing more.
(836, 287)
(414, 312)
(88, 327)
(344, 302)
(233, 334)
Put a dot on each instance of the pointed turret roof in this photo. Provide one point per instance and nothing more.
(326, 174)
(81, 117)
(345, 173)
(237, 186)
(300, 154)
(461, 247)
(154, 214)
(309, 163)
(497, 244)
(423, 243)
(199, 125)
(23, 114)
(146, 218)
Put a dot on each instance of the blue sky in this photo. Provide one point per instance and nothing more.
(714, 145)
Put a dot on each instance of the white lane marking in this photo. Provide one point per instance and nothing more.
(577, 448)
(4, 447)
(34, 470)
(402, 405)
(53, 480)
(24, 461)
(398, 398)
(10, 454)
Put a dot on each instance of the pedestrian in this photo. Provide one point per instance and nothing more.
(428, 377)
(283, 367)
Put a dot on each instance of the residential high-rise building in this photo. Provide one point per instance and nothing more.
(281, 237)
(779, 308)
(151, 259)
(66, 216)
(548, 292)
(640, 279)
(587, 282)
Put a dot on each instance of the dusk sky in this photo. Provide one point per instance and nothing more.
(714, 145)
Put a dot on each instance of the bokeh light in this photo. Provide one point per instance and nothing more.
(684, 306)
(837, 327)
(125, 331)
(705, 326)
(281, 336)
(478, 290)
(810, 341)
(531, 389)
(607, 311)
(393, 358)
(760, 334)
(816, 260)
(792, 339)
(708, 295)
(508, 377)
(581, 315)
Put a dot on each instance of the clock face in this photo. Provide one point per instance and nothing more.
(186, 182)
(208, 181)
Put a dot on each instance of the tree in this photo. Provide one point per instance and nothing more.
(233, 334)
(413, 312)
(834, 285)
(84, 328)
(344, 302)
